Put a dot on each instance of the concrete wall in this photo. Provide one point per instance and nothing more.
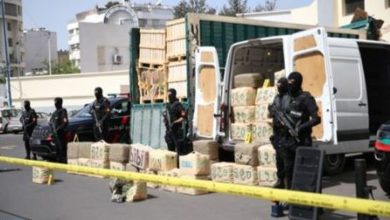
(36, 44)
(98, 44)
(75, 89)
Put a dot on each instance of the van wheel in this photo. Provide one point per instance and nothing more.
(385, 184)
(334, 163)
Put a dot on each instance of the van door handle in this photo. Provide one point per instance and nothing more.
(361, 104)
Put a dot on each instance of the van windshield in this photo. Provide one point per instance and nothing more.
(9, 113)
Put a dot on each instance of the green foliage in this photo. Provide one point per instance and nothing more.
(194, 6)
(2, 79)
(235, 7)
(64, 68)
(269, 5)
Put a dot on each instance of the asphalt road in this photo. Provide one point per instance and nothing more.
(80, 197)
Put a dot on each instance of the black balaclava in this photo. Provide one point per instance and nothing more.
(58, 103)
(282, 85)
(98, 92)
(295, 83)
(171, 95)
(26, 105)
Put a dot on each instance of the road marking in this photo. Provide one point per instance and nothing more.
(8, 147)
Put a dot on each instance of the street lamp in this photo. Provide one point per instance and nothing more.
(49, 47)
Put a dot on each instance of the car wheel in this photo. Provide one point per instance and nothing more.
(384, 181)
(334, 164)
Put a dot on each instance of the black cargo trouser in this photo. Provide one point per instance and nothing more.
(103, 135)
(62, 147)
(178, 136)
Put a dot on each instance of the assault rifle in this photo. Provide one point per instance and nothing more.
(97, 122)
(283, 119)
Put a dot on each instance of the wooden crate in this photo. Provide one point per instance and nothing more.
(152, 46)
(176, 39)
(177, 71)
(152, 83)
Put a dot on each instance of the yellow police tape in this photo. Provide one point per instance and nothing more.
(364, 206)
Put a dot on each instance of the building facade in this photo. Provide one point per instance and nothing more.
(99, 38)
(330, 13)
(14, 37)
(40, 49)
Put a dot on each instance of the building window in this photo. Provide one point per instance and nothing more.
(388, 4)
(9, 26)
(351, 5)
(11, 9)
(10, 43)
(20, 11)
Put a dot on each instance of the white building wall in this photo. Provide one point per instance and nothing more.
(99, 43)
(36, 44)
(75, 89)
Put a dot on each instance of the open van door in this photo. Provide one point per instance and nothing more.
(207, 94)
(310, 56)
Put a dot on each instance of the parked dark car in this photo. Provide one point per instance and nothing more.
(382, 156)
(43, 143)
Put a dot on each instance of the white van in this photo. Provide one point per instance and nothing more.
(349, 78)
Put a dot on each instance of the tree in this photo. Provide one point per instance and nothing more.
(194, 6)
(235, 7)
(269, 5)
(64, 67)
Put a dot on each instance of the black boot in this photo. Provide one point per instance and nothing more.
(279, 184)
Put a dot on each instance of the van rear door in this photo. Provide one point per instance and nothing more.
(310, 56)
(207, 92)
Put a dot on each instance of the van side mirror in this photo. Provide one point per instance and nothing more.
(334, 90)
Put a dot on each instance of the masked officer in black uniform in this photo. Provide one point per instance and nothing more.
(58, 123)
(281, 102)
(29, 121)
(303, 112)
(174, 118)
(101, 113)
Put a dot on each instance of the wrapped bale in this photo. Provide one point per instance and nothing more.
(239, 130)
(119, 153)
(261, 132)
(254, 80)
(171, 173)
(102, 164)
(117, 166)
(194, 164)
(73, 150)
(244, 174)
(100, 151)
(192, 191)
(265, 95)
(139, 156)
(243, 96)
(244, 114)
(222, 172)
(267, 156)
(85, 162)
(41, 175)
(267, 176)
(84, 149)
(149, 184)
(246, 154)
(279, 74)
(137, 192)
(162, 160)
(72, 162)
(207, 147)
(261, 112)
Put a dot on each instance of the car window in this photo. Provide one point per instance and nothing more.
(9, 113)
(121, 109)
(84, 112)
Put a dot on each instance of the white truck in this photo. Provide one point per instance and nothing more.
(349, 78)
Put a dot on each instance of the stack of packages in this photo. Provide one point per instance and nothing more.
(267, 165)
(222, 172)
(100, 155)
(119, 156)
(194, 166)
(243, 102)
(262, 129)
(207, 147)
(79, 153)
(246, 159)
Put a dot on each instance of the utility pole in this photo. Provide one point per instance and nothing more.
(49, 47)
(7, 64)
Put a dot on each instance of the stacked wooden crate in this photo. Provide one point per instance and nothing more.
(152, 77)
(176, 57)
